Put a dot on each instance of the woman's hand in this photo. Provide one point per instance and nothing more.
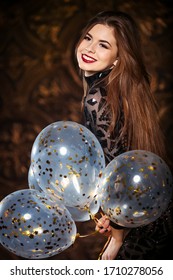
(103, 226)
(112, 249)
(114, 244)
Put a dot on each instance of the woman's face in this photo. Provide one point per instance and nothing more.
(98, 50)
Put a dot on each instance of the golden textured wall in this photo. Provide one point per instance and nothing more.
(39, 81)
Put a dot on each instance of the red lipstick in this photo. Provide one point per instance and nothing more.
(88, 59)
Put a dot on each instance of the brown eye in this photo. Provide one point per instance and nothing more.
(103, 46)
(87, 38)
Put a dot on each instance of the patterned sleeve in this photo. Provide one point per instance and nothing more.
(97, 120)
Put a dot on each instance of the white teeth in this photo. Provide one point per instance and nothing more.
(88, 58)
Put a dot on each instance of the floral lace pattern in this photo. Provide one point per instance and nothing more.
(97, 120)
(147, 242)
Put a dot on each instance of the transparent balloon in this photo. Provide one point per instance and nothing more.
(86, 213)
(135, 188)
(67, 160)
(33, 226)
(32, 182)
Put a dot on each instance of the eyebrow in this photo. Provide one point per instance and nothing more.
(102, 41)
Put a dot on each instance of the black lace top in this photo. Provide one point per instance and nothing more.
(97, 119)
(145, 242)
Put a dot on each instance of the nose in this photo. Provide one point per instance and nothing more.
(90, 48)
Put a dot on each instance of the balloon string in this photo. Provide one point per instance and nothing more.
(86, 235)
(94, 218)
(104, 248)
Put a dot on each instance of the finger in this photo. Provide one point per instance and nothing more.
(106, 223)
(103, 230)
(99, 226)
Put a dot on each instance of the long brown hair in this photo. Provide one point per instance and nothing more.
(129, 84)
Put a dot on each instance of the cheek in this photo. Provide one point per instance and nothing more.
(111, 59)
(105, 57)
(78, 56)
(81, 46)
(78, 53)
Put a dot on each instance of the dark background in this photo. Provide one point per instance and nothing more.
(39, 82)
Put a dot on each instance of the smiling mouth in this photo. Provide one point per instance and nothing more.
(88, 59)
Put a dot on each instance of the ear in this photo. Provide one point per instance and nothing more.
(115, 62)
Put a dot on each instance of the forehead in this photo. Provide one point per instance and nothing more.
(102, 32)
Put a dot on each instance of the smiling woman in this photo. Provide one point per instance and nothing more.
(98, 50)
(120, 109)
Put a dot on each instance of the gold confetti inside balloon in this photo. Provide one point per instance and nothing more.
(135, 189)
(34, 227)
(66, 160)
(82, 214)
(32, 183)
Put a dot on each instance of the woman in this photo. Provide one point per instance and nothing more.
(121, 111)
